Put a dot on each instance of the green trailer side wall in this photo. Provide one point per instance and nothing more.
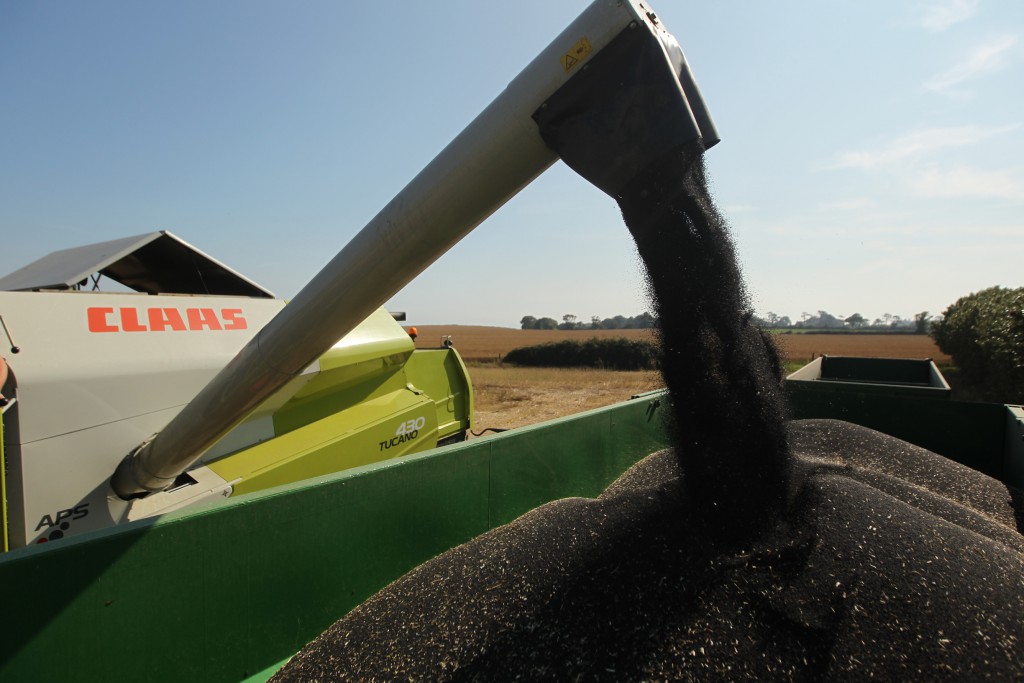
(877, 393)
(1014, 460)
(223, 593)
(970, 433)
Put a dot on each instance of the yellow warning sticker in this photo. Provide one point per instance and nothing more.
(577, 54)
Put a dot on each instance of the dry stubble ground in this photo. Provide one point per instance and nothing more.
(507, 396)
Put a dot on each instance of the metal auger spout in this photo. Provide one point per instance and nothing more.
(615, 69)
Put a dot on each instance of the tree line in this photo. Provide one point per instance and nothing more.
(919, 324)
(643, 321)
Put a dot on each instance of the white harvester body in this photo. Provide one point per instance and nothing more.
(98, 373)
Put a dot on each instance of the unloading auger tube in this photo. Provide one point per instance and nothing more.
(615, 91)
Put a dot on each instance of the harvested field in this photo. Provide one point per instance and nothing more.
(802, 347)
(489, 344)
(508, 397)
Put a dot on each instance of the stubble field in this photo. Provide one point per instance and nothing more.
(507, 396)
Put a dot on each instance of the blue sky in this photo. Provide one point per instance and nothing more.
(872, 154)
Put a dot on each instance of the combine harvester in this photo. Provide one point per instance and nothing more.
(198, 482)
(97, 373)
(138, 397)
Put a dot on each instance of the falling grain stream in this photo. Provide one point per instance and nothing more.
(754, 549)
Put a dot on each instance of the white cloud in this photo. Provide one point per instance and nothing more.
(965, 181)
(919, 143)
(941, 15)
(985, 59)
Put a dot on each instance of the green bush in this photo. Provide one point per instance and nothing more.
(984, 333)
(610, 354)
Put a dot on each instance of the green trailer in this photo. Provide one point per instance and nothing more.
(230, 591)
(910, 399)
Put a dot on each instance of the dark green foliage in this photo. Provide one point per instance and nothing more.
(610, 354)
(545, 324)
(921, 322)
(984, 333)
